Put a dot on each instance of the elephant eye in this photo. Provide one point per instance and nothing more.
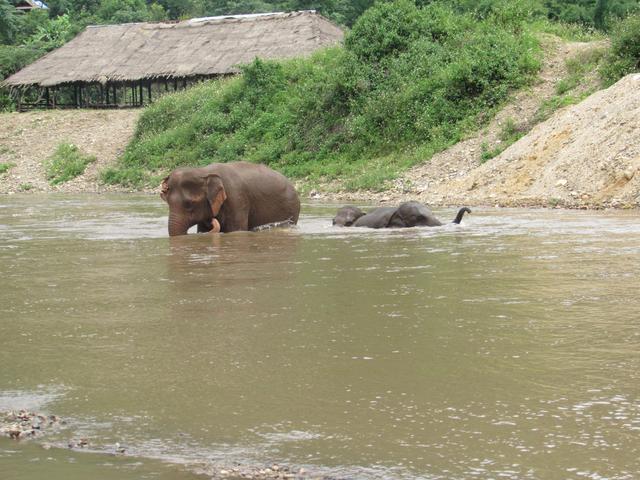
(188, 204)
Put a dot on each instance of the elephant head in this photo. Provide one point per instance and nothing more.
(415, 214)
(346, 216)
(195, 197)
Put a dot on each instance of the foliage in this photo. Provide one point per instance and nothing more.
(67, 162)
(6, 166)
(572, 32)
(591, 13)
(8, 21)
(392, 91)
(52, 34)
(509, 134)
(13, 59)
(624, 55)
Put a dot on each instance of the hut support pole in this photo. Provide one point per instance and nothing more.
(175, 84)
(46, 96)
(149, 91)
(115, 96)
(141, 93)
(107, 93)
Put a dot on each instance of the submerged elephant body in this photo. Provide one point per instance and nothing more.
(376, 218)
(228, 197)
(415, 214)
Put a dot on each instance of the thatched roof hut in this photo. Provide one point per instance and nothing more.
(198, 48)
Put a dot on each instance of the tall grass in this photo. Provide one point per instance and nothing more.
(408, 82)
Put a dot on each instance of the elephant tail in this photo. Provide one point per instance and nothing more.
(460, 214)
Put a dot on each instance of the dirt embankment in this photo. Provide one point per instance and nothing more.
(27, 139)
(584, 156)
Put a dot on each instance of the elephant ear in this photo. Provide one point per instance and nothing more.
(215, 193)
(164, 188)
(396, 220)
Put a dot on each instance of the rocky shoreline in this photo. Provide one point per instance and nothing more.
(26, 425)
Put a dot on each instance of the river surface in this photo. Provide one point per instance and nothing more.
(506, 347)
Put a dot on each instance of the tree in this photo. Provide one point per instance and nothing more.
(123, 11)
(600, 12)
(8, 22)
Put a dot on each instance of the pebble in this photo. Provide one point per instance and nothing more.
(26, 424)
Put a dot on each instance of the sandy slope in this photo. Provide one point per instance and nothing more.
(26, 139)
(587, 154)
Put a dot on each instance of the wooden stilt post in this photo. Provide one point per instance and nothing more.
(107, 93)
(46, 96)
(175, 84)
(115, 96)
(141, 94)
(149, 91)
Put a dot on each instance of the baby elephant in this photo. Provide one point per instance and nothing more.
(347, 216)
(415, 214)
(407, 214)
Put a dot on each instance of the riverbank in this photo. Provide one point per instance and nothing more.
(585, 155)
(28, 139)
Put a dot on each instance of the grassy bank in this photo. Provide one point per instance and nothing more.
(409, 82)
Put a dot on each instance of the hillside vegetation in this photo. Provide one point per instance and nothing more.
(408, 82)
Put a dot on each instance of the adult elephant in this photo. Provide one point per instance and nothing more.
(226, 197)
(415, 214)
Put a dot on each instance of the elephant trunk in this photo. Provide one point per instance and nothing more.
(460, 214)
(178, 225)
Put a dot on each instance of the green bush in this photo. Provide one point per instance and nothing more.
(67, 162)
(6, 166)
(408, 81)
(624, 55)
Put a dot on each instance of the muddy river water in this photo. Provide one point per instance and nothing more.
(506, 347)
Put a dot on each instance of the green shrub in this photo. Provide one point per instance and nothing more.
(624, 55)
(408, 80)
(6, 166)
(573, 32)
(509, 134)
(67, 162)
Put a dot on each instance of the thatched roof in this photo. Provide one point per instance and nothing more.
(202, 46)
